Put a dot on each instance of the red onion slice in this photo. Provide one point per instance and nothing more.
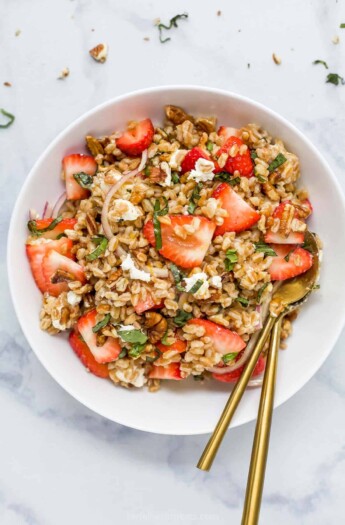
(47, 210)
(58, 205)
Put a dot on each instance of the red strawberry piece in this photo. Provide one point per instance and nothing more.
(135, 140)
(232, 377)
(185, 252)
(242, 163)
(241, 216)
(299, 261)
(58, 270)
(65, 224)
(83, 352)
(73, 164)
(223, 339)
(36, 252)
(282, 212)
(171, 371)
(105, 353)
(226, 131)
(179, 346)
(148, 304)
(191, 157)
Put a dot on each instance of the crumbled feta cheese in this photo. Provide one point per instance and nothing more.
(176, 158)
(138, 381)
(124, 210)
(167, 169)
(190, 282)
(135, 273)
(73, 298)
(125, 327)
(203, 171)
(57, 325)
(216, 281)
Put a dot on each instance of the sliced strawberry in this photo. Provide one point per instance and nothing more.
(179, 346)
(223, 339)
(241, 162)
(240, 217)
(191, 157)
(282, 212)
(135, 140)
(42, 224)
(232, 377)
(171, 371)
(83, 352)
(148, 304)
(36, 252)
(73, 164)
(105, 353)
(185, 252)
(226, 131)
(299, 261)
(58, 270)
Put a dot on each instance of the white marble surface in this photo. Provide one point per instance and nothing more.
(60, 463)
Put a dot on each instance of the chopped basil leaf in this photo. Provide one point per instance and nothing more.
(264, 248)
(260, 292)
(32, 226)
(132, 336)
(164, 339)
(321, 62)
(175, 178)
(147, 171)
(194, 197)
(229, 357)
(224, 176)
(209, 146)
(253, 154)
(196, 286)
(83, 179)
(199, 377)
(123, 353)
(150, 359)
(136, 349)
(101, 324)
(178, 276)
(334, 78)
(230, 259)
(287, 256)
(101, 242)
(10, 117)
(278, 161)
(156, 224)
(342, 26)
(260, 178)
(182, 317)
(172, 23)
(316, 287)
(242, 300)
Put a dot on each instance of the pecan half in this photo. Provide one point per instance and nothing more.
(156, 326)
(207, 124)
(91, 224)
(155, 174)
(61, 276)
(94, 145)
(177, 115)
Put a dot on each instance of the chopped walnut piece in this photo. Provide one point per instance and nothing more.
(94, 145)
(156, 326)
(277, 60)
(207, 124)
(99, 52)
(7, 84)
(64, 73)
(176, 114)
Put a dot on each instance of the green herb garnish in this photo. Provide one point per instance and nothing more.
(133, 336)
(150, 359)
(253, 154)
(101, 242)
(10, 117)
(224, 176)
(287, 256)
(136, 349)
(194, 198)
(342, 26)
(182, 317)
(209, 145)
(334, 78)
(123, 353)
(260, 178)
(178, 276)
(242, 300)
(278, 161)
(230, 259)
(264, 248)
(172, 23)
(321, 62)
(229, 357)
(158, 212)
(200, 377)
(316, 287)
(147, 171)
(32, 226)
(101, 324)
(260, 292)
(175, 178)
(196, 286)
(309, 247)
(83, 179)
(164, 339)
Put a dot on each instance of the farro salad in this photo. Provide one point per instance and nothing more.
(161, 256)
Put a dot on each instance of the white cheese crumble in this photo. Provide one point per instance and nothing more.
(125, 327)
(125, 210)
(57, 325)
(191, 281)
(176, 158)
(216, 281)
(139, 380)
(167, 169)
(203, 171)
(73, 298)
(135, 273)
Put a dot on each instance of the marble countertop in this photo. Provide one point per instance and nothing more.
(61, 463)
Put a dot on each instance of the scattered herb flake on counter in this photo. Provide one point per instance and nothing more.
(342, 26)
(334, 78)
(101, 242)
(101, 324)
(321, 62)
(278, 161)
(172, 23)
(264, 248)
(10, 117)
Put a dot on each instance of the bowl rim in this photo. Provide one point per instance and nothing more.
(118, 99)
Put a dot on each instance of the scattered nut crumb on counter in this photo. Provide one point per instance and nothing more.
(99, 53)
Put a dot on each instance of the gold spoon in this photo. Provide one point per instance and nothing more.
(291, 291)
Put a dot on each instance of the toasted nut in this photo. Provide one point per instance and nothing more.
(177, 115)
(277, 60)
(99, 52)
(64, 73)
(207, 124)
(94, 145)
(156, 326)
(270, 191)
(91, 224)
(60, 276)
(113, 276)
(100, 339)
(155, 174)
(65, 315)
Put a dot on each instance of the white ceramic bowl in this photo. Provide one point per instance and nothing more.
(183, 407)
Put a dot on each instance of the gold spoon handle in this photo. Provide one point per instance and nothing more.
(258, 460)
(207, 457)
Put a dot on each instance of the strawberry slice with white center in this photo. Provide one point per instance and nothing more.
(147, 304)
(72, 165)
(39, 225)
(36, 252)
(135, 140)
(285, 212)
(232, 377)
(102, 354)
(171, 371)
(227, 132)
(85, 355)
(290, 262)
(224, 340)
(58, 270)
(185, 250)
(241, 216)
